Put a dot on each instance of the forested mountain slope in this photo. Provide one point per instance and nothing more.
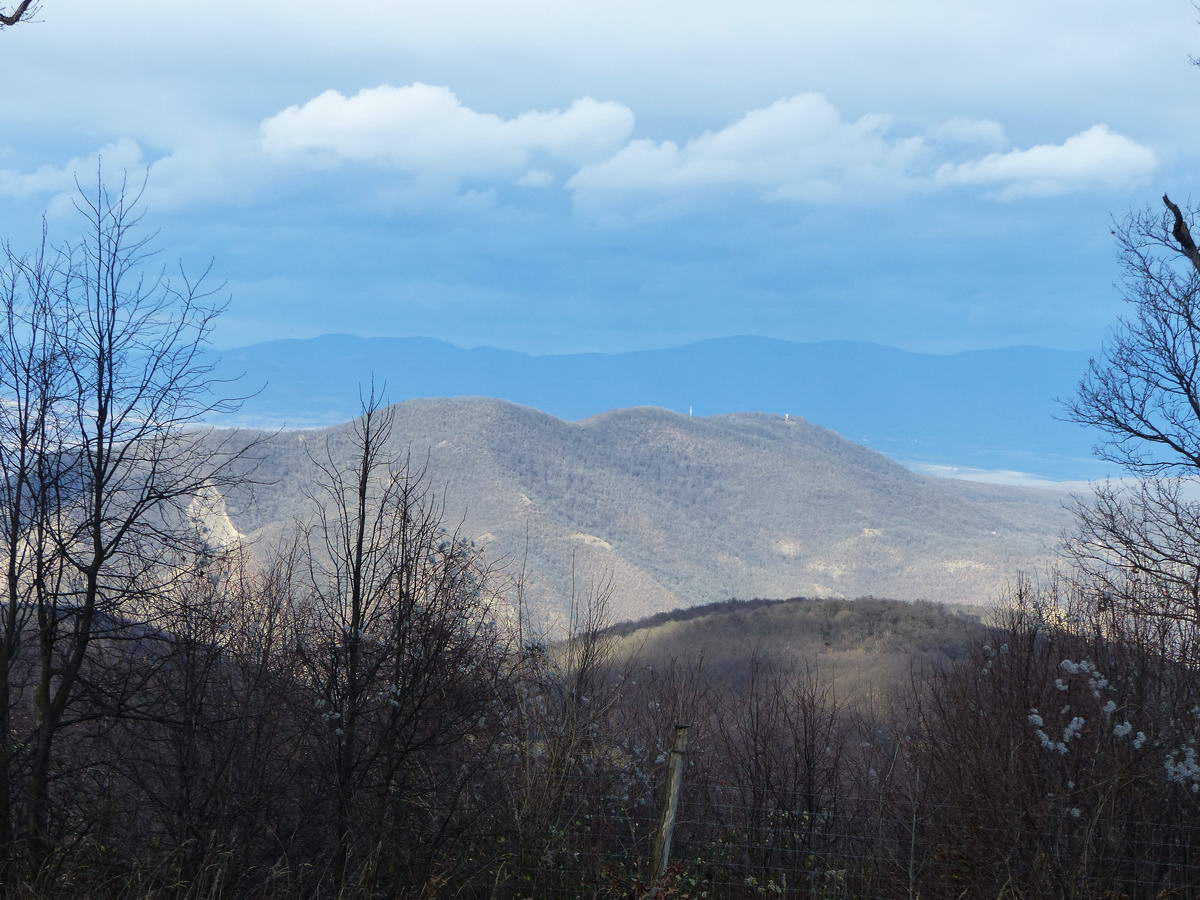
(680, 511)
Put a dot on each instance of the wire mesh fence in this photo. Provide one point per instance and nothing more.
(729, 843)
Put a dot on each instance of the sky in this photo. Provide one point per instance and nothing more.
(605, 176)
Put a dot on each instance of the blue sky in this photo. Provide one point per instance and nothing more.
(566, 176)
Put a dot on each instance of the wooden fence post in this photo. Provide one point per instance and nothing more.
(670, 807)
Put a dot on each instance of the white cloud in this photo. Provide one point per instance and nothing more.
(225, 171)
(799, 148)
(802, 149)
(1096, 158)
(426, 130)
(123, 155)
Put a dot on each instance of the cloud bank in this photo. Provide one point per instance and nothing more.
(803, 150)
(798, 150)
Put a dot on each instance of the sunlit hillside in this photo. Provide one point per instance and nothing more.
(678, 511)
(865, 648)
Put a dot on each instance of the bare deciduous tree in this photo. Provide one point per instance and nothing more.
(401, 655)
(1137, 546)
(105, 378)
(32, 385)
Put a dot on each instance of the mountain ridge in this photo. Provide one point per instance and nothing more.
(987, 409)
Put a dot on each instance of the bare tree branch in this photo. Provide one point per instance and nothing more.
(24, 9)
(1182, 235)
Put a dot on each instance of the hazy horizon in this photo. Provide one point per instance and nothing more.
(617, 351)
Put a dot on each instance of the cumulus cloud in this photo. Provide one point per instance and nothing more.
(799, 148)
(802, 149)
(426, 130)
(1096, 158)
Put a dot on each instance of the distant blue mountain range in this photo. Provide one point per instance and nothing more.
(987, 409)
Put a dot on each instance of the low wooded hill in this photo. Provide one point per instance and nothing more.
(864, 647)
